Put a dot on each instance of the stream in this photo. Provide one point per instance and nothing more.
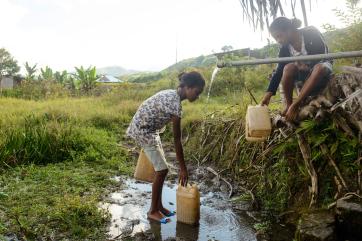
(218, 221)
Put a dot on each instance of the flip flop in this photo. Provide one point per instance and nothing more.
(164, 220)
(170, 214)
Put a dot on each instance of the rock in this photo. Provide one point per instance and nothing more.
(349, 219)
(262, 236)
(254, 215)
(144, 236)
(199, 176)
(11, 237)
(224, 188)
(243, 206)
(316, 226)
(216, 181)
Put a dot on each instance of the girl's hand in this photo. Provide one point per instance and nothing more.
(266, 98)
(183, 176)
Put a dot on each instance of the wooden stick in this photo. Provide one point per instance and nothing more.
(359, 163)
(212, 148)
(306, 153)
(333, 163)
(223, 179)
(251, 94)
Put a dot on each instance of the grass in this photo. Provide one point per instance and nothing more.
(57, 157)
(57, 199)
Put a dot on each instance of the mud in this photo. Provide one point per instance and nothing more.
(218, 220)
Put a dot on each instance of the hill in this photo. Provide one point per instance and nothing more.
(115, 71)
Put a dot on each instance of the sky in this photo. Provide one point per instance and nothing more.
(135, 34)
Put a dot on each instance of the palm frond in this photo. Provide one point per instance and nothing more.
(259, 12)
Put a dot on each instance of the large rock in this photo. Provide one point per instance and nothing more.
(316, 226)
(349, 219)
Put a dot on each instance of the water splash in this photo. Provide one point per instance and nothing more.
(216, 70)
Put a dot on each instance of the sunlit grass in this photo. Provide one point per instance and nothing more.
(58, 154)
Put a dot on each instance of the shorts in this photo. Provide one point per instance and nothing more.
(322, 83)
(156, 155)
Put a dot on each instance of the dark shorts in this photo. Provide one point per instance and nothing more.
(322, 83)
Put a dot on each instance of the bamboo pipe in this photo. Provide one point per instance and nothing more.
(339, 55)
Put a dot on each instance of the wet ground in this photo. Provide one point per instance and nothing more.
(218, 221)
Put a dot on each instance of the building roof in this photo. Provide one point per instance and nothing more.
(109, 79)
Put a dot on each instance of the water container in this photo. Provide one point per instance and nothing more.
(144, 169)
(188, 204)
(258, 124)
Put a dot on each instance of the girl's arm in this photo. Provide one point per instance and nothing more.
(183, 175)
(278, 73)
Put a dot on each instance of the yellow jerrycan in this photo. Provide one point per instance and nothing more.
(144, 169)
(188, 204)
(258, 123)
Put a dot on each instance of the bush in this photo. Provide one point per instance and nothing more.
(41, 141)
(37, 90)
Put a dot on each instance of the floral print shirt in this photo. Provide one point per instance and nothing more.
(152, 115)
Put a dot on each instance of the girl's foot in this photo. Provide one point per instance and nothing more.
(166, 212)
(157, 216)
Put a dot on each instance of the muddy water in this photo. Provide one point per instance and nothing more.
(217, 222)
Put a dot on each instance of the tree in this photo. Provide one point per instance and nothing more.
(348, 38)
(46, 74)
(227, 48)
(8, 65)
(61, 77)
(86, 78)
(30, 71)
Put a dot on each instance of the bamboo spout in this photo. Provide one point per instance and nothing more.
(339, 55)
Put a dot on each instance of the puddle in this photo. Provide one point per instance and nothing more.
(217, 220)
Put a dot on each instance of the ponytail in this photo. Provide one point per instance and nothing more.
(283, 24)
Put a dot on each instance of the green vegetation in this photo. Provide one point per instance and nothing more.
(337, 40)
(9, 66)
(57, 160)
(62, 138)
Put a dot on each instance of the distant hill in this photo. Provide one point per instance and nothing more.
(143, 77)
(115, 71)
(198, 62)
(203, 61)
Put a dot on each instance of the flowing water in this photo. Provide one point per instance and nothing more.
(213, 76)
(217, 220)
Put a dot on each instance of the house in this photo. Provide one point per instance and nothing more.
(108, 79)
(9, 82)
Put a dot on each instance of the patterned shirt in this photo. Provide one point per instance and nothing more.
(152, 115)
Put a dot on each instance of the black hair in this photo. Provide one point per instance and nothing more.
(191, 79)
(283, 24)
